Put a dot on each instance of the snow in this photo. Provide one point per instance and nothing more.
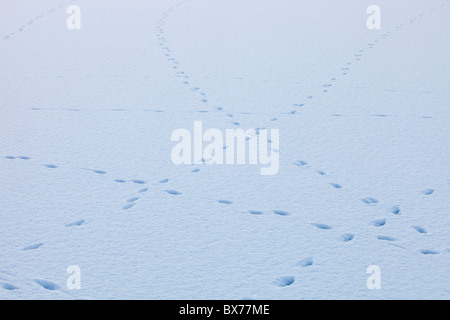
(85, 151)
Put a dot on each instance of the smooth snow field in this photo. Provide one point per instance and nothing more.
(92, 205)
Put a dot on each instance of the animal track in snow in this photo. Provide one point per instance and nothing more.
(33, 246)
(224, 201)
(428, 192)
(322, 226)
(284, 281)
(48, 285)
(379, 222)
(128, 206)
(75, 223)
(300, 163)
(99, 171)
(8, 286)
(173, 192)
(427, 251)
(306, 262)
(17, 157)
(395, 210)
(369, 200)
(138, 181)
(255, 212)
(346, 237)
(386, 238)
(419, 229)
(281, 212)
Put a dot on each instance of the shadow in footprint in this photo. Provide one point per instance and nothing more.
(255, 212)
(378, 223)
(322, 226)
(369, 200)
(428, 192)
(173, 192)
(346, 237)
(224, 201)
(75, 224)
(395, 210)
(284, 281)
(48, 285)
(128, 206)
(8, 286)
(281, 212)
(33, 246)
(386, 238)
(306, 262)
(419, 229)
(427, 251)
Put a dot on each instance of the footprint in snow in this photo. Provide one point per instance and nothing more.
(224, 201)
(281, 212)
(306, 262)
(395, 210)
(369, 200)
(346, 237)
(76, 223)
(128, 206)
(48, 285)
(33, 246)
(284, 281)
(8, 286)
(428, 192)
(378, 223)
(255, 212)
(386, 238)
(173, 192)
(99, 171)
(427, 251)
(300, 163)
(322, 226)
(419, 229)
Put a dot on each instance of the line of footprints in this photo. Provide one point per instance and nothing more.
(131, 202)
(326, 87)
(31, 21)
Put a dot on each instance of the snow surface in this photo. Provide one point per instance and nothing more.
(85, 167)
